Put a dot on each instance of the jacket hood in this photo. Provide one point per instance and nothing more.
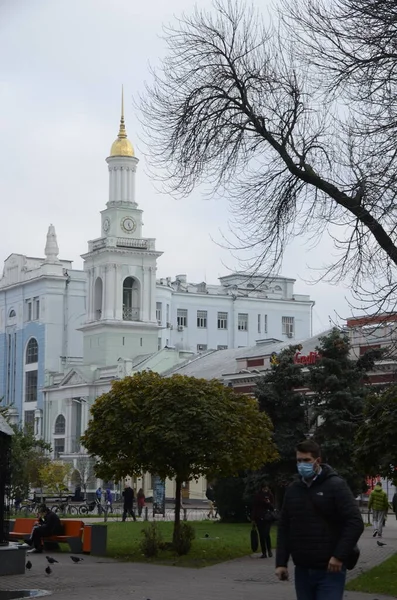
(378, 490)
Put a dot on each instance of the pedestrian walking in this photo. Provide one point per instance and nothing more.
(379, 504)
(210, 495)
(263, 517)
(128, 508)
(319, 527)
(394, 504)
(98, 499)
(108, 500)
(140, 500)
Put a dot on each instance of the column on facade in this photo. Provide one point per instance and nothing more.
(109, 293)
(119, 294)
(91, 293)
(68, 428)
(38, 419)
(104, 270)
(152, 294)
(144, 295)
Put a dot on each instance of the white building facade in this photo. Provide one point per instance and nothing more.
(67, 334)
(238, 312)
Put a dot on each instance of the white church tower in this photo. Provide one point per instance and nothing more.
(121, 270)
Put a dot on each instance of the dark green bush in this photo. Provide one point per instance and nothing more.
(184, 535)
(152, 541)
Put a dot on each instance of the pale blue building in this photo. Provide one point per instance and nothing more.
(42, 303)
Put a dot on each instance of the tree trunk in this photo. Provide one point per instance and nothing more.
(177, 520)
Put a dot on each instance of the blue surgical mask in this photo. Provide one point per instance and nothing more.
(306, 470)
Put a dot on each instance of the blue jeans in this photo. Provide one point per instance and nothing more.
(313, 584)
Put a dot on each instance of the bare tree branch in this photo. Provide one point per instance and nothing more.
(253, 112)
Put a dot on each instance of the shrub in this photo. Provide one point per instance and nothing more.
(183, 538)
(151, 542)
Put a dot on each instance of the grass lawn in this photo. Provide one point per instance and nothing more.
(379, 580)
(225, 542)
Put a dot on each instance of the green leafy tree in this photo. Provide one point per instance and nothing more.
(178, 427)
(338, 383)
(54, 476)
(376, 440)
(28, 456)
(288, 410)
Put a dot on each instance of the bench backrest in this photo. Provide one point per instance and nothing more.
(72, 528)
(23, 525)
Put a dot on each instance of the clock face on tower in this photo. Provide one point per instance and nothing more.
(106, 225)
(128, 224)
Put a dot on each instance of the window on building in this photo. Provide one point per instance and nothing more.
(12, 314)
(149, 481)
(32, 351)
(221, 347)
(259, 323)
(264, 323)
(28, 420)
(167, 313)
(364, 349)
(98, 296)
(159, 318)
(222, 320)
(250, 286)
(181, 317)
(278, 288)
(28, 310)
(60, 425)
(201, 347)
(242, 322)
(31, 386)
(131, 302)
(288, 326)
(202, 319)
(36, 309)
(158, 343)
(59, 447)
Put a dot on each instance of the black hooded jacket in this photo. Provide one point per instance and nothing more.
(318, 522)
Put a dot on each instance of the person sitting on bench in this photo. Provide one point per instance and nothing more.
(49, 524)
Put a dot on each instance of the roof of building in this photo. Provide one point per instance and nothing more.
(214, 364)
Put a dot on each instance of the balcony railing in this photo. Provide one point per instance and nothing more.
(130, 314)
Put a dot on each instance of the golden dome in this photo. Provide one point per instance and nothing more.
(122, 146)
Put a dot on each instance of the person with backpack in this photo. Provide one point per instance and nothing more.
(379, 504)
(319, 527)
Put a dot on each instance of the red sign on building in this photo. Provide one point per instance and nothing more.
(306, 359)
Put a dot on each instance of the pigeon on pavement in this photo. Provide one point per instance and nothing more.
(381, 543)
(28, 565)
(48, 570)
(51, 560)
(76, 559)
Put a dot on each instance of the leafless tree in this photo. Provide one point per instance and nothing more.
(292, 121)
(85, 468)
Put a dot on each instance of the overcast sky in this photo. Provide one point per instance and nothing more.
(62, 66)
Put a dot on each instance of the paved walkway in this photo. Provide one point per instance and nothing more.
(104, 579)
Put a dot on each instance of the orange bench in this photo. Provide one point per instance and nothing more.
(72, 532)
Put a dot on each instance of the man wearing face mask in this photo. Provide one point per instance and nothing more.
(320, 525)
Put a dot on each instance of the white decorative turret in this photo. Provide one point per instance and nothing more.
(51, 248)
(122, 166)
